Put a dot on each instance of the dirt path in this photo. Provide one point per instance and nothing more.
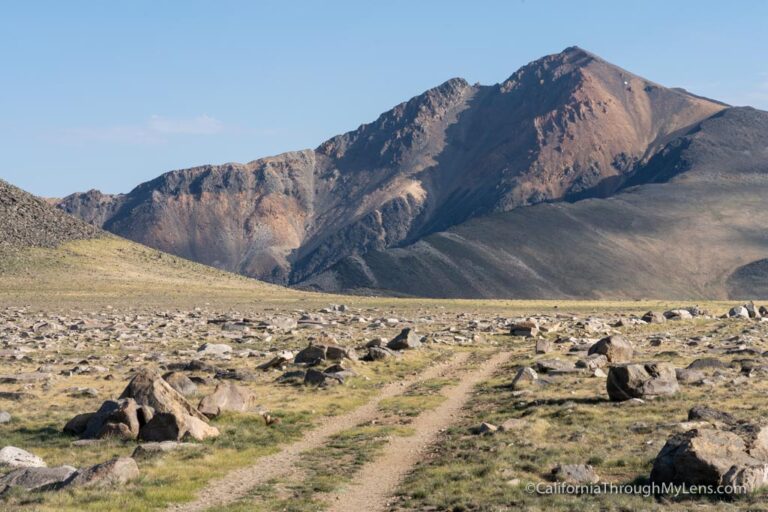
(236, 484)
(374, 486)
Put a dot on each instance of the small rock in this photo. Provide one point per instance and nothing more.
(484, 429)
(524, 378)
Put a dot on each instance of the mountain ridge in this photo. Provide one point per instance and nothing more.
(564, 127)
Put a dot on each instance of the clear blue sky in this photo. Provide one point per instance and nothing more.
(107, 94)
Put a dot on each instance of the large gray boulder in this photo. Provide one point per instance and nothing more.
(118, 471)
(36, 479)
(709, 457)
(148, 388)
(641, 380)
(616, 348)
(149, 409)
(407, 339)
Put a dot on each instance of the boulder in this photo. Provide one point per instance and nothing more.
(96, 420)
(753, 311)
(654, 317)
(171, 427)
(484, 428)
(78, 424)
(704, 456)
(527, 328)
(616, 348)
(214, 349)
(181, 383)
(148, 388)
(704, 413)
(36, 479)
(707, 363)
(407, 339)
(282, 323)
(641, 380)
(543, 346)
(688, 376)
(122, 422)
(292, 377)
(171, 414)
(313, 354)
(555, 366)
(337, 353)
(378, 353)
(13, 457)
(227, 396)
(678, 314)
(738, 312)
(280, 360)
(118, 471)
(593, 362)
(318, 378)
(5, 417)
(524, 378)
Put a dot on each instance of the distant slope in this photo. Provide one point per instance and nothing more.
(565, 126)
(687, 224)
(28, 221)
(47, 256)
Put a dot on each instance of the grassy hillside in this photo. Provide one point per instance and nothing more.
(113, 270)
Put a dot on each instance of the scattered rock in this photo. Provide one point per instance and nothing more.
(708, 457)
(407, 339)
(654, 317)
(543, 346)
(227, 397)
(524, 378)
(181, 383)
(702, 412)
(311, 355)
(214, 349)
(318, 378)
(575, 474)
(484, 429)
(616, 348)
(645, 381)
(527, 328)
(13, 457)
(554, 366)
(36, 479)
(118, 471)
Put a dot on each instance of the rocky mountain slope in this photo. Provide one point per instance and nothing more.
(565, 127)
(27, 221)
(686, 224)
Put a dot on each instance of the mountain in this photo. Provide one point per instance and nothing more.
(565, 127)
(687, 224)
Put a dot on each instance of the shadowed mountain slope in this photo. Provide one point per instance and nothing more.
(686, 224)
